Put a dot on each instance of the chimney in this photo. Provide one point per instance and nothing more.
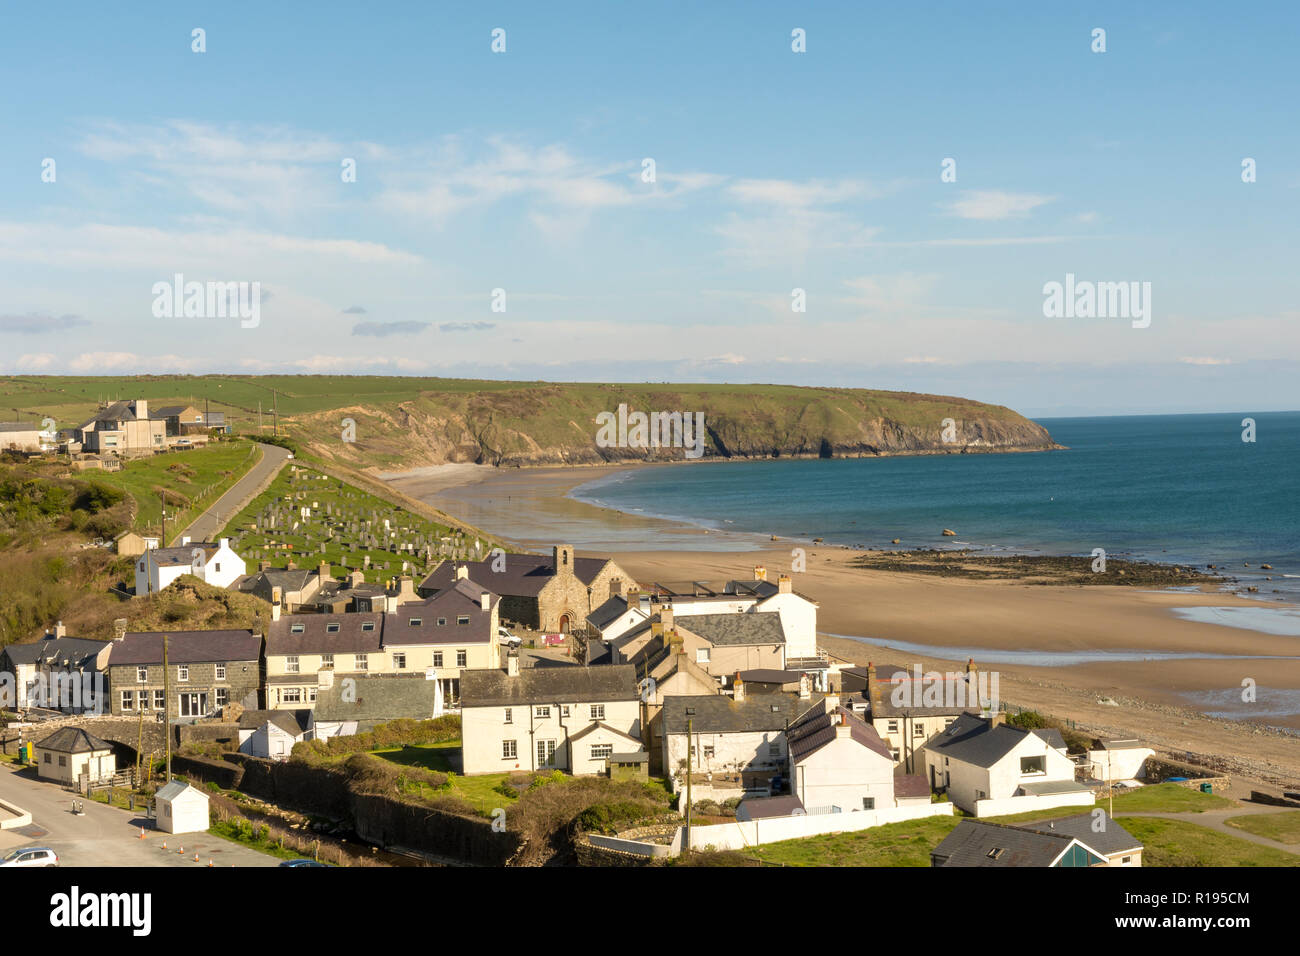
(276, 598)
(633, 598)
(805, 687)
(462, 572)
(291, 566)
(512, 663)
(760, 573)
(60, 630)
(784, 585)
(141, 408)
(325, 677)
(996, 719)
(666, 616)
(356, 579)
(224, 543)
(485, 601)
(738, 689)
(323, 572)
(264, 565)
(657, 628)
(275, 612)
(615, 587)
(406, 589)
(842, 728)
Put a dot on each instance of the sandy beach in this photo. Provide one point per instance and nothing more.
(1060, 649)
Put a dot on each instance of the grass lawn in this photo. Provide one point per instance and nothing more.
(247, 836)
(1284, 827)
(1179, 843)
(478, 790)
(896, 844)
(192, 479)
(1167, 798)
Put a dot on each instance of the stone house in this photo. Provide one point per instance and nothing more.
(554, 594)
(208, 670)
(122, 428)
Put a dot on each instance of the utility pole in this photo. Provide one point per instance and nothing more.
(275, 397)
(259, 417)
(167, 709)
(690, 747)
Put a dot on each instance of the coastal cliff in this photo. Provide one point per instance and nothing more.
(538, 424)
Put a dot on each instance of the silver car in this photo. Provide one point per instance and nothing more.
(30, 856)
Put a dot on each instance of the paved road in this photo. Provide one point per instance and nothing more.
(1213, 820)
(107, 836)
(206, 526)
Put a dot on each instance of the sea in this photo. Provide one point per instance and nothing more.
(1183, 489)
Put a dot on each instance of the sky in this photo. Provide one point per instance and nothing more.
(504, 222)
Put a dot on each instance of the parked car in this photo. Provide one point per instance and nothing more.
(30, 856)
(507, 638)
(303, 862)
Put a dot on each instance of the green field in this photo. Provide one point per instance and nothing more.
(1167, 798)
(478, 791)
(1176, 843)
(1284, 826)
(192, 480)
(297, 487)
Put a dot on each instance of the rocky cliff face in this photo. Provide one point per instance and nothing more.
(580, 425)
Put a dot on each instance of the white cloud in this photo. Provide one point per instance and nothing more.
(991, 204)
(800, 195)
(1205, 361)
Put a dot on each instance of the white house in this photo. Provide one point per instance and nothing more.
(838, 761)
(982, 763)
(539, 718)
(70, 752)
(724, 736)
(616, 616)
(1119, 760)
(216, 564)
(180, 808)
(269, 733)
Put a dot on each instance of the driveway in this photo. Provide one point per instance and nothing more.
(107, 836)
(206, 526)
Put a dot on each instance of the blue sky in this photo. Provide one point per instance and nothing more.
(775, 170)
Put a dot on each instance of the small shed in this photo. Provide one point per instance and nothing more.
(180, 808)
(70, 752)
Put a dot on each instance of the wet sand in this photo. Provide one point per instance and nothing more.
(1123, 643)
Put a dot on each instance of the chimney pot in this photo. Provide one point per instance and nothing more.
(512, 664)
(485, 601)
(760, 573)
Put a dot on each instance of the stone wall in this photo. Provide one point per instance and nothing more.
(242, 684)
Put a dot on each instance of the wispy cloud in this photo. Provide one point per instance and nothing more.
(466, 326)
(384, 329)
(39, 323)
(993, 204)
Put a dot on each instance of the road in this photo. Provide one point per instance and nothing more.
(107, 836)
(206, 526)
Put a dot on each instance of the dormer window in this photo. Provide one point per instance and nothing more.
(296, 628)
(416, 621)
(332, 628)
(367, 625)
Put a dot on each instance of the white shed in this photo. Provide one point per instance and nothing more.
(180, 808)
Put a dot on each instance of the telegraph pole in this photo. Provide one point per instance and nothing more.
(275, 397)
(167, 709)
(690, 746)
(259, 418)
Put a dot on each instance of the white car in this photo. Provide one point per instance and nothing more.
(505, 637)
(30, 856)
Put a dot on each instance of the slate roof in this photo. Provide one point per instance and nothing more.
(286, 720)
(181, 554)
(524, 576)
(607, 613)
(1109, 841)
(715, 714)
(377, 698)
(186, 647)
(174, 789)
(817, 728)
(493, 687)
(449, 604)
(761, 808)
(116, 412)
(972, 842)
(734, 629)
(168, 411)
(19, 427)
(970, 740)
(316, 638)
(911, 785)
(282, 578)
(77, 651)
(73, 740)
(767, 675)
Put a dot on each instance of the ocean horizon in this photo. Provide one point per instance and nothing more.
(1182, 489)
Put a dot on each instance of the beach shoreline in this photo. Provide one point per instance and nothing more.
(1091, 626)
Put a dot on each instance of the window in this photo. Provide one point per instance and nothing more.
(367, 625)
(893, 753)
(1126, 860)
(510, 715)
(183, 672)
(289, 695)
(918, 730)
(332, 627)
(128, 700)
(1033, 765)
(542, 712)
(996, 852)
(63, 761)
(701, 655)
(141, 565)
(564, 710)
(144, 700)
(891, 727)
(142, 674)
(509, 749)
(415, 622)
(297, 628)
(597, 711)
(223, 695)
(361, 662)
(327, 660)
(461, 658)
(774, 750)
(291, 665)
(399, 661)
(545, 753)
(708, 751)
(442, 621)
(311, 695)
(221, 672)
(218, 566)
(868, 803)
(601, 751)
(47, 756)
(462, 619)
(437, 658)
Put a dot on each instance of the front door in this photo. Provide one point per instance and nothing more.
(194, 705)
(545, 753)
(564, 624)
